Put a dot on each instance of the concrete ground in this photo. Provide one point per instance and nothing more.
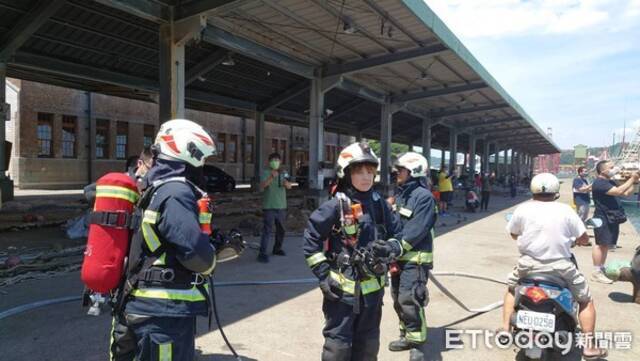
(284, 322)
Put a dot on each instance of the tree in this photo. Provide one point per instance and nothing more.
(396, 148)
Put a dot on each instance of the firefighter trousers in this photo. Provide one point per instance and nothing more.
(349, 336)
(410, 296)
(150, 338)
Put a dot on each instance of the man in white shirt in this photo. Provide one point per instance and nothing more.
(544, 230)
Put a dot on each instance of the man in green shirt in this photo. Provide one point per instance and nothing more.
(274, 184)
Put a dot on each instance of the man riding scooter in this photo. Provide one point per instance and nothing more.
(544, 230)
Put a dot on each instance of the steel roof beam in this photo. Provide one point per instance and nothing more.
(522, 136)
(382, 60)
(205, 66)
(148, 10)
(307, 24)
(482, 108)
(27, 26)
(225, 39)
(215, 99)
(285, 96)
(198, 7)
(433, 93)
(500, 130)
(487, 122)
(360, 91)
(346, 108)
(45, 64)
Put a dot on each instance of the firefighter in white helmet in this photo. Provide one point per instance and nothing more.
(415, 207)
(357, 219)
(544, 230)
(170, 257)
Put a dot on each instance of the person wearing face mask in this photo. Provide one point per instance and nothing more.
(136, 167)
(274, 184)
(171, 257)
(337, 232)
(485, 191)
(544, 230)
(581, 197)
(605, 191)
(415, 207)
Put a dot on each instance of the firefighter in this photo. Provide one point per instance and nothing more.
(170, 258)
(416, 208)
(339, 241)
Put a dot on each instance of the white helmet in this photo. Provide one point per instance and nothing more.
(545, 183)
(186, 141)
(415, 163)
(354, 154)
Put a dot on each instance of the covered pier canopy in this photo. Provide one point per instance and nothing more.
(379, 69)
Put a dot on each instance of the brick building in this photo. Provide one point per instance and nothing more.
(55, 146)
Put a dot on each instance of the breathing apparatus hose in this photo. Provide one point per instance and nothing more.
(215, 313)
(34, 305)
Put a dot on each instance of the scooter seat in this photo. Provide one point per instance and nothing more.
(538, 278)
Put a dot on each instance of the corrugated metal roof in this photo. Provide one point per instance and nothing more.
(314, 32)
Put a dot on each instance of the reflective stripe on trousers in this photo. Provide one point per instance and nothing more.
(367, 286)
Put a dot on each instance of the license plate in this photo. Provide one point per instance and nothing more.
(537, 321)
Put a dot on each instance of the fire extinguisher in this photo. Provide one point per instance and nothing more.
(204, 215)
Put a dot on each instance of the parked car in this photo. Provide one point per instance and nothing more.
(216, 180)
(328, 173)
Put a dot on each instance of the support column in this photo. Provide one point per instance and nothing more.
(6, 184)
(258, 151)
(442, 162)
(472, 155)
(485, 157)
(464, 161)
(243, 149)
(171, 94)
(532, 166)
(386, 119)
(91, 140)
(316, 134)
(173, 38)
(506, 160)
(426, 140)
(453, 150)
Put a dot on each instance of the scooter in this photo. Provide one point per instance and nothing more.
(546, 313)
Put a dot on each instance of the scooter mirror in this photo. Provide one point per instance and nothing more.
(508, 217)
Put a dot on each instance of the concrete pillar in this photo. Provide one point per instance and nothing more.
(173, 39)
(426, 140)
(316, 134)
(258, 150)
(91, 137)
(464, 161)
(171, 94)
(485, 157)
(532, 164)
(6, 184)
(472, 155)
(442, 154)
(506, 160)
(453, 149)
(243, 149)
(386, 120)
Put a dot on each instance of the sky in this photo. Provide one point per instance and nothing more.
(573, 65)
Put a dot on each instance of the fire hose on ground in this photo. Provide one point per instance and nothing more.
(432, 276)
